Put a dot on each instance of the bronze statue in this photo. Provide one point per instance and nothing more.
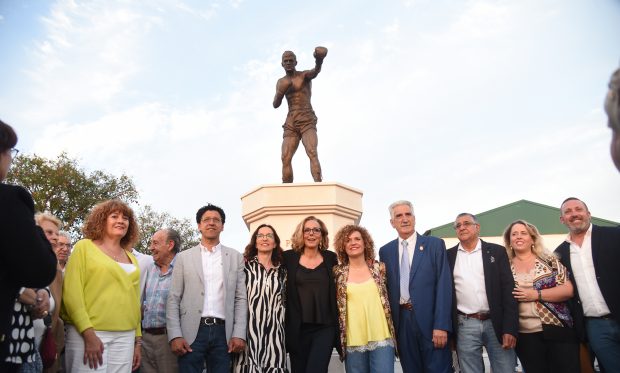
(301, 121)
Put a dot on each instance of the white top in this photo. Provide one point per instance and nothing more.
(212, 270)
(592, 300)
(411, 241)
(471, 293)
(128, 267)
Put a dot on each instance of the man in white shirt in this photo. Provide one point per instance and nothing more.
(206, 311)
(592, 256)
(484, 311)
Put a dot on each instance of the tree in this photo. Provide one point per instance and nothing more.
(151, 221)
(66, 190)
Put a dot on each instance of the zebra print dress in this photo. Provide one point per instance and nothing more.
(265, 351)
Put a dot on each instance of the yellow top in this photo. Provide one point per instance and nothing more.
(98, 293)
(365, 316)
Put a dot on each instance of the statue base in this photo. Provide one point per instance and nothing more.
(283, 206)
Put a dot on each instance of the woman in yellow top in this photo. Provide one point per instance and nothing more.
(101, 294)
(366, 331)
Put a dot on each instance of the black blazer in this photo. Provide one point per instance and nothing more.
(606, 256)
(499, 284)
(26, 256)
(293, 306)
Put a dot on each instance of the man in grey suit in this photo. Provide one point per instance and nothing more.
(206, 311)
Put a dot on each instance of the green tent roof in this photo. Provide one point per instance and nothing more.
(493, 222)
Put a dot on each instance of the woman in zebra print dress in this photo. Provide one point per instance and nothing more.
(265, 281)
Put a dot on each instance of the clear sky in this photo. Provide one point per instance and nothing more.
(454, 105)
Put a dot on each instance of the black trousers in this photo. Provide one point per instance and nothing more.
(316, 344)
(540, 355)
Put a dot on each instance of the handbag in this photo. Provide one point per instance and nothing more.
(48, 348)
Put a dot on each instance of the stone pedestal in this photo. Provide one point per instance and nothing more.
(285, 205)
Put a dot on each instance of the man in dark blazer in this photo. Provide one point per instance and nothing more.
(484, 311)
(592, 254)
(422, 302)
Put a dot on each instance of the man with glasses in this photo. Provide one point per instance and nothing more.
(484, 311)
(63, 249)
(206, 311)
(420, 294)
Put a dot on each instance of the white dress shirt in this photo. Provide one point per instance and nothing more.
(471, 292)
(213, 273)
(592, 300)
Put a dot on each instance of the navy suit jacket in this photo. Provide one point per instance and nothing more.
(498, 283)
(606, 256)
(430, 284)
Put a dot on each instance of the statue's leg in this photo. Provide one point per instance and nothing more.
(289, 147)
(311, 141)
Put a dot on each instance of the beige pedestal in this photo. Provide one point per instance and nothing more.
(283, 206)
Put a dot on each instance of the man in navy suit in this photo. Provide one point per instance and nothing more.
(484, 311)
(592, 255)
(421, 303)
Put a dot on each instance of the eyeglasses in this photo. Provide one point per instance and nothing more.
(312, 230)
(14, 152)
(211, 220)
(465, 224)
(260, 236)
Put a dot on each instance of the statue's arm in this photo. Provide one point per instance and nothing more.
(319, 56)
(281, 88)
(311, 74)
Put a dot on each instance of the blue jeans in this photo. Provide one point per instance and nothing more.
(210, 346)
(379, 360)
(472, 335)
(604, 338)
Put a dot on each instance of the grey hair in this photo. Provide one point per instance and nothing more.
(400, 203)
(472, 216)
(66, 235)
(174, 236)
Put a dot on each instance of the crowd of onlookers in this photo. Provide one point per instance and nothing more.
(100, 306)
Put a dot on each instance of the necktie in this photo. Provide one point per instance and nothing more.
(404, 272)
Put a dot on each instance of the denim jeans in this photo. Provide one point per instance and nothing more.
(472, 335)
(604, 338)
(379, 360)
(210, 345)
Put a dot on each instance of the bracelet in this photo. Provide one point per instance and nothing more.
(138, 342)
(540, 295)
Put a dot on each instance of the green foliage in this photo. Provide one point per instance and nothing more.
(66, 190)
(151, 221)
(69, 192)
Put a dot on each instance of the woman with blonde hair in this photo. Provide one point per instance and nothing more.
(311, 314)
(547, 341)
(101, 294)
(367, 336)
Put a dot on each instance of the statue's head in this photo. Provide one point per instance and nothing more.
(289, 61)
(612, 108)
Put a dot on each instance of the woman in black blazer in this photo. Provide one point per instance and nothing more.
(311, 310)
(26, 255)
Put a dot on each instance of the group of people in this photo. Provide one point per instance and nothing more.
(109, 310)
